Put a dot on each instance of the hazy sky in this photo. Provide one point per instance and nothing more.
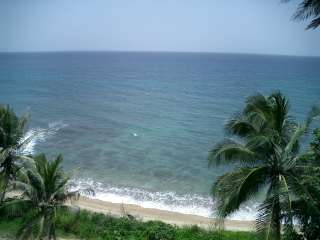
(247, 26)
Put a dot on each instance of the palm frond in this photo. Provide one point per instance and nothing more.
(261, 145)
(4, 153)
(286, 200)
(300, 190)
(294, 139)
(315, 23)
(240, 126)
(257, 104)
(308, 9)
(265, 223)
(36, 182)
(24, 162)
(280, 109)
(235, 188)
(268, 153)
(45, 186)
(12, 127)
(229, 151)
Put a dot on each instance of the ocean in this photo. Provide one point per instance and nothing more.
(137, 126)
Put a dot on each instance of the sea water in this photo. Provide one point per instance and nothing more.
(137, 126)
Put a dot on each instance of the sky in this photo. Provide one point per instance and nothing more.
(232, 26)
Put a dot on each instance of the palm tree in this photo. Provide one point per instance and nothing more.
(44, 190)
(265, 147)
(309, 9)
(12, 132)
(305, 214)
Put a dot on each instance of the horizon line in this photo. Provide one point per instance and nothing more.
(159, 51)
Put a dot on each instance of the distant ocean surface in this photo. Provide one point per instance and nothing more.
(138, 126)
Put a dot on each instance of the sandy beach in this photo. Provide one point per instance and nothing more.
(146, 214)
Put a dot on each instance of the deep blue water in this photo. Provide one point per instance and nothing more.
(139, 125)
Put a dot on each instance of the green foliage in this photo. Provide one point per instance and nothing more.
(309, 9)
(307, 214)
(160, 231)
(40, 212)
(87, 225)
(291, 234)
(44, 191)
(12, 132)
(315, 146)
(12, 128)
(265, 146)
(9, 226)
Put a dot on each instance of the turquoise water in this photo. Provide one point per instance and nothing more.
(138, 126)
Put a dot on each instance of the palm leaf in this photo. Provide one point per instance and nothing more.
(240, 126)
(233, 189)
(229, 151)
(265, 219)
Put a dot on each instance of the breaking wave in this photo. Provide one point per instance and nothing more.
(38, 135)
(181, 203)
(188, 203)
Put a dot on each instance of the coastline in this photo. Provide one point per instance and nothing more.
(146, 214)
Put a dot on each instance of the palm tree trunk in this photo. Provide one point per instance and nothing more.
(6, 175)
(3, 194)
(277, 220)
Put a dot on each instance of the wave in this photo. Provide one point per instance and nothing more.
(188, 203)
(195, 204)
(37, 135)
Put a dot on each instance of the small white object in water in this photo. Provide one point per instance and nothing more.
(134, 134)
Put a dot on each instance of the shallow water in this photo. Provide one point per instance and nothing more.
(138, 126)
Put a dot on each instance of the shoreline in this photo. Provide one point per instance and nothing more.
(147, 214)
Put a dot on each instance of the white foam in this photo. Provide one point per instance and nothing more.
(170, 201)
(37, 135)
